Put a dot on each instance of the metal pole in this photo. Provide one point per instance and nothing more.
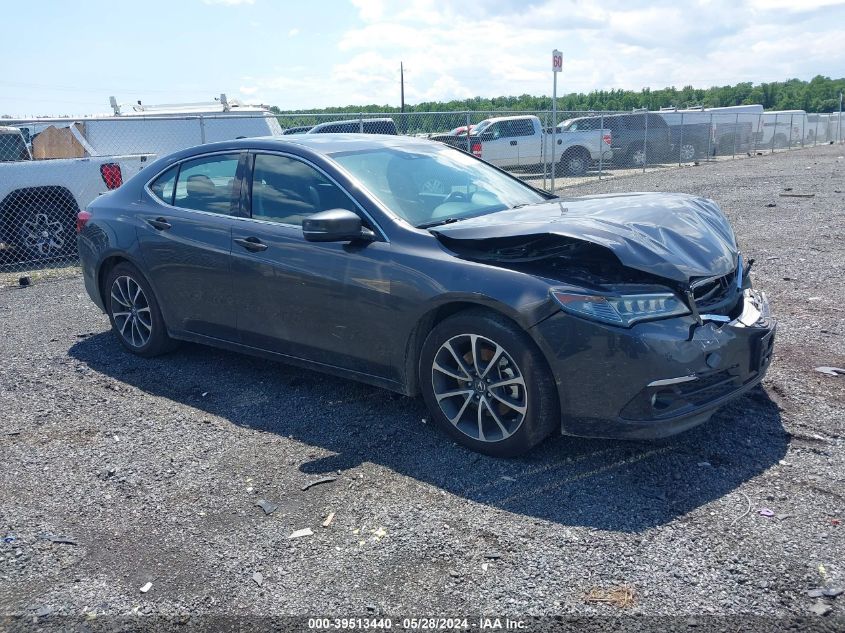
(789, 141)
(681, 141)
(710, 136)
(554, 128)
(774, 134)
(601, 144)
(361, 122)
(202, 130)
(469, 143)
(816, 133)
(543, 138)
(736, 127)
(757, 134)
(402, 88)
(645, 141)
(839, 128)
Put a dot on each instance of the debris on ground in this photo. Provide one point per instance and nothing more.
(379, 534)
(493, 555)
(328, 520)
(820, 608)
(833, 592)
(747, 509)
(506, 478)
(816, 593)
(258, 578)
(831, 371)
(146, 587)
(485, 566)
(797, 195)
(317, 482)
(268, 506)
(23, 282)
(771, 204)
(622, 596)
(766, 512)
(43, 612)
(301, 533)
(61, 540)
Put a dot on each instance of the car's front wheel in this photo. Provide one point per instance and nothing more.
(487, 384)
(134, 312)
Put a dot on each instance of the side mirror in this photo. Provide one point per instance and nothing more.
(334, 225)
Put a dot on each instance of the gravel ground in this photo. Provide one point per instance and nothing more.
(152, 468)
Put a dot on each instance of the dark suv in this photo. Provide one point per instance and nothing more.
(636, 138)
(354, 126)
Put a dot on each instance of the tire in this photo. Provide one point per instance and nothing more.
(134, 312)
(780, 141)
(515, 416)
(688, 152)
(637, 155)
(575, 162)
(45, 230)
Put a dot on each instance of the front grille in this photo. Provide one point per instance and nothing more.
(716, 295)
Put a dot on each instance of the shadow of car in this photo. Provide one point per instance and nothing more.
(602, 484)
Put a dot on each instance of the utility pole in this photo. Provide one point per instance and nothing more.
(402, 85)
(839, 129)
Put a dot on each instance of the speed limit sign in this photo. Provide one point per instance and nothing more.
(557, 61)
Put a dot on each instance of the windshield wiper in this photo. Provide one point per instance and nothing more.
(426, 225)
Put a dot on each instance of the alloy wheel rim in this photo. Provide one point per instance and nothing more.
(131, 311)
(576, 165)
(479, 388)
(687, 152)
(639, 157)
(42, 236)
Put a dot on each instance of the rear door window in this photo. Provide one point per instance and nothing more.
(208, 184)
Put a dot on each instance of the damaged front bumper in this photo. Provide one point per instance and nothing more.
(656, 378)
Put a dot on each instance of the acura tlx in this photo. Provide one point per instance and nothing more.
(416, 267)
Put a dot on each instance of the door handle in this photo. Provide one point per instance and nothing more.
(252, 244)
(159, 223)
(513, 142)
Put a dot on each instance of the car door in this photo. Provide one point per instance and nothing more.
(498, 147)
(321, 301)
(184, 235)
(529, 142)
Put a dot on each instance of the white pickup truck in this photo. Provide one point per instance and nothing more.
(39, 199)
(521, 141)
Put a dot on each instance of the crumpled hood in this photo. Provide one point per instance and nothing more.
(672, 235)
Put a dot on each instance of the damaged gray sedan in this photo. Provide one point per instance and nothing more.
(415, 267)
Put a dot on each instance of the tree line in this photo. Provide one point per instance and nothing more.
(820, 94)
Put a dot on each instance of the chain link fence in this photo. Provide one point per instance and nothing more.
(52, 168)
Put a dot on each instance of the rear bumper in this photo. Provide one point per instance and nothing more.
(657, 378)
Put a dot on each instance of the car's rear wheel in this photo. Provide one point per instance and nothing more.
(575, 162)
(134, 312)
(688, 152)
(487, 384)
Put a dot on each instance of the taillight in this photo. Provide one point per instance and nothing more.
(111, 175)
(476, 149)
(607, 138)
(81, 220)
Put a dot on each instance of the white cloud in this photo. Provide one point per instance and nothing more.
(293, 32)
(454, 49)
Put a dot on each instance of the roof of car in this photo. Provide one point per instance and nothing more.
(322, 143)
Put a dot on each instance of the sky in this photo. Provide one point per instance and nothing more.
(297, 55)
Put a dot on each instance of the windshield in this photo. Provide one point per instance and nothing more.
(432, 185)
(478, 128)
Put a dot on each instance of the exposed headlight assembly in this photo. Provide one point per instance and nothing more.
(624, 310)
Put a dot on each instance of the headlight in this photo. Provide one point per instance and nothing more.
(624, 310)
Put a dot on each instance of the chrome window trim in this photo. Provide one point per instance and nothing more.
(179, 162)
(319, 169)
(379, 230)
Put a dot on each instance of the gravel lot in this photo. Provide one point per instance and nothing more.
(152, 468)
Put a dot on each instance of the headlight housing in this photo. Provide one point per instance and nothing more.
(623, 310)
